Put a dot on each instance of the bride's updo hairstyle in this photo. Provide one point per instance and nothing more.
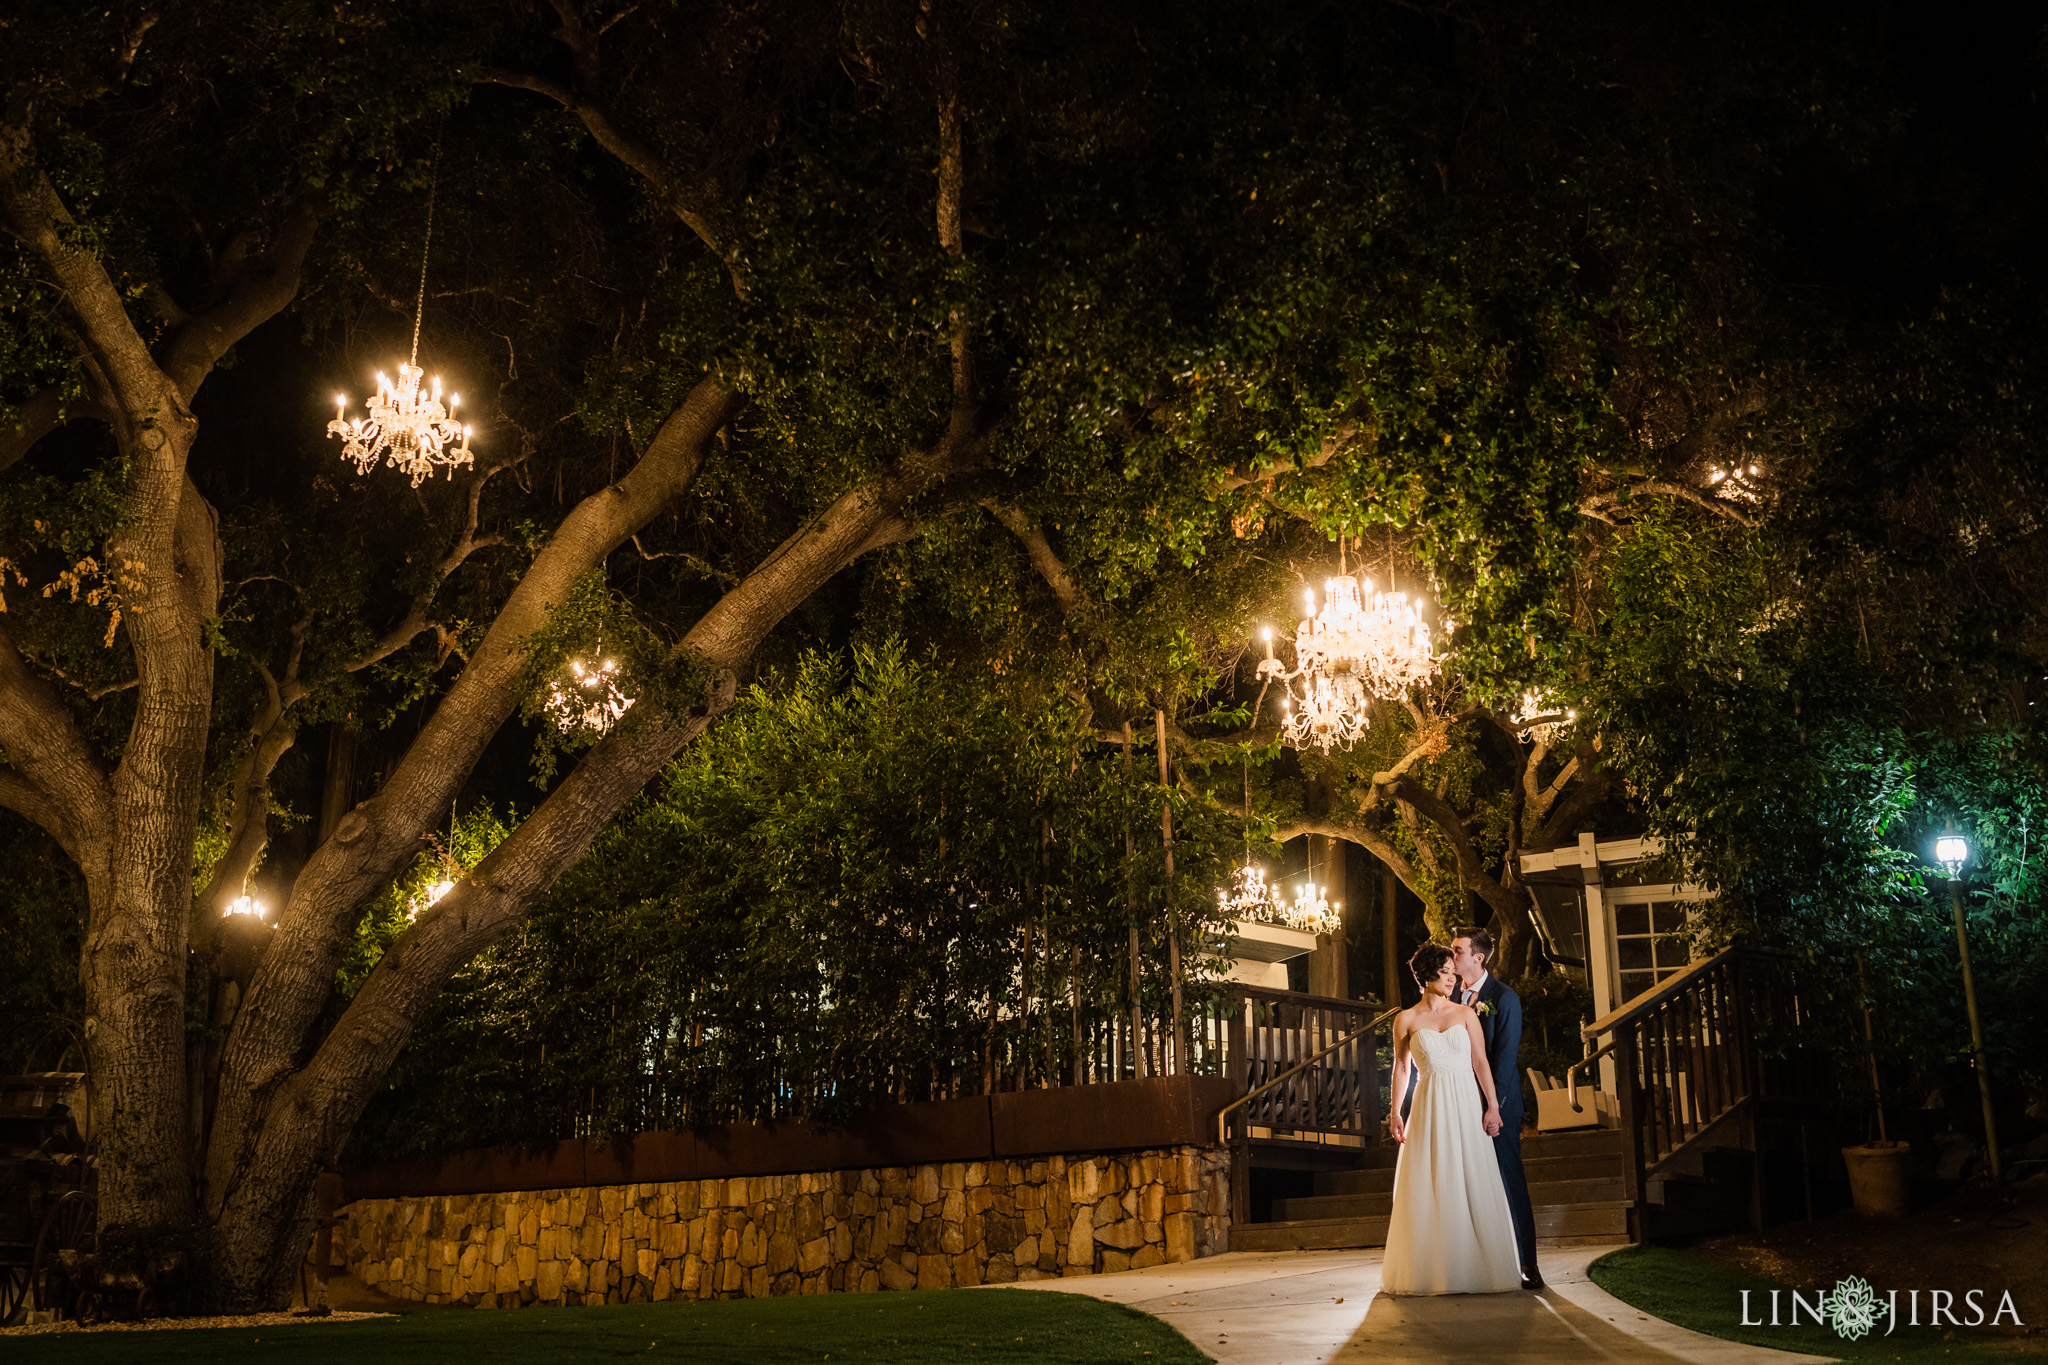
(1428, 962)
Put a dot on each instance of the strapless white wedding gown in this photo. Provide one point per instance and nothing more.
(1452, 1232)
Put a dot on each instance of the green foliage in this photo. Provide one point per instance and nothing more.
(845, 894)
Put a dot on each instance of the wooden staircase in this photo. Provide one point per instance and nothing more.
(1576, 1185)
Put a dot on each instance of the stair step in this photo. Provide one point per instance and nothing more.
(1556, 1224)
(1379, 1204)
(1583, 1142)
(1578, 1142)
(1538, 1169)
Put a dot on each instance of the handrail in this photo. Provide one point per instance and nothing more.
(1273, 995)
(1571, 1075)
(1629, 1011)
(1303, 1065)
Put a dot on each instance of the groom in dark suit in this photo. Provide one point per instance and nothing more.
(1500, 1020)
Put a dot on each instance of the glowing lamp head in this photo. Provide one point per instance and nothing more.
(1952, 851)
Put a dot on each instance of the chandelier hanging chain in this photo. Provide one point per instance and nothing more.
(419, 312)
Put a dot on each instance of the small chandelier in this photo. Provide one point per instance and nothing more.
(1346, 655)
(407, 424)
(589, 699)
(1249, 897)
(1540, 717)
(429, 898)
(1738, 483)
(1312, 910)
(247, 906)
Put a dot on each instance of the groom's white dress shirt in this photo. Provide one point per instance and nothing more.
(1471, 993)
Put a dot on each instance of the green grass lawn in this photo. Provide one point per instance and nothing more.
(940, 1327)
(1706, 1296)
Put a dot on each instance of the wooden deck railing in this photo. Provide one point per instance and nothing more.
(1695, 1052)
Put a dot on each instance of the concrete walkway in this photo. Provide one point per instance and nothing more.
(1324, 1307)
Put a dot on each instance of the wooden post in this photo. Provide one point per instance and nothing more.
(1629, 1102)
(1131, 905)
(1074, 1006)
(1390, 941)
(1328, 970)
(1175, 1062)
(1238, 1061)
(1977, 1058)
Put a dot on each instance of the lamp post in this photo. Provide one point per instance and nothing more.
(1952, 851)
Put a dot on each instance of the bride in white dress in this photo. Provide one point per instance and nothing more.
(1451, 1232)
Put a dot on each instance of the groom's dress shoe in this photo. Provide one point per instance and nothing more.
(1532, 1279)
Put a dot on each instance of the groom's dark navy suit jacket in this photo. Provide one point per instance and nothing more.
(1502, 1028)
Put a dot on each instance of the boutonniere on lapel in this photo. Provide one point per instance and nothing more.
(1484, 1007)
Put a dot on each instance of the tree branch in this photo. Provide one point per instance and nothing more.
(31, 210)
(636, 155)
(37, 418)
(1064, 589)
(1335, 443)
(1597, 504)
(415, 621)
(1471, 874)
(41, 742)
(261, 288)
(952, 183)
(1370, 840)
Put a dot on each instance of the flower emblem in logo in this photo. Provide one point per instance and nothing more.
(1853, 1308)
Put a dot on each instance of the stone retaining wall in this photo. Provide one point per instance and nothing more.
(894, 1227)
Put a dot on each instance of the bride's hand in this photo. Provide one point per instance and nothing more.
(1399, 1129)
(1492, 1122)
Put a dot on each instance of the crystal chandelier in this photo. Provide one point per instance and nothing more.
(429, 898)
(1540, 717)
(1249, 896)
(589, 699)
(1312, 910)
(407, 424)
(1346, 655)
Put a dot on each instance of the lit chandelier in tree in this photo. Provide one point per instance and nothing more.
(1250, 896)
(588, 699)
(1346, 655)
(1312, 910)
(407, 425)
(1540, 717)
